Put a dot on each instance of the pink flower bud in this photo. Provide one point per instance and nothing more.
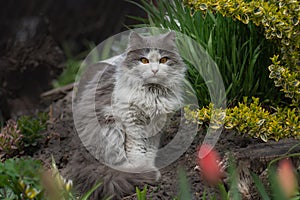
(209, 163)
(287, 178)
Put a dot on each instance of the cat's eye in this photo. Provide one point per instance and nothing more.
(163, 60)
(144, 60)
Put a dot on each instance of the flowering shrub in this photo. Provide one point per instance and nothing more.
(280, 22)
(20, 136)
(252, 120)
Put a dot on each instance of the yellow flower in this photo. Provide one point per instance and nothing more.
(31, 192)
(22, 184)
(68, 185)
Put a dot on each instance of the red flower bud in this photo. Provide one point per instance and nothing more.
(287, 178)
(209, 163)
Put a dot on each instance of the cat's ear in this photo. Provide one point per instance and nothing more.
(170, 36)
(135, 38)
(169, 41)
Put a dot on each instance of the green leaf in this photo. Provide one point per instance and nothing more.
(88, 194)
(141, 195)
(261, 188)
(184, 188)
(277, 192)
(233, 179)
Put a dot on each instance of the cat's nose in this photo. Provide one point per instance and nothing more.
(154, 71)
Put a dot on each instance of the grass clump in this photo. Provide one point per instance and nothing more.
(71, 68)
(239, 51)
(73, 64)
(279, 21)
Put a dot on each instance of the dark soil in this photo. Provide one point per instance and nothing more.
(34, 37)
(250, 154)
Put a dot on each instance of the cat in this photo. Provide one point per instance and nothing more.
(123, 110)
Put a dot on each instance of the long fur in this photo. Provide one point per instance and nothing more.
(86, 172)
(120, 115)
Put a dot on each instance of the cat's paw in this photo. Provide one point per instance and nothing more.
(157, 175)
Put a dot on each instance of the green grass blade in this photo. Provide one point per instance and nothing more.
(141, 195)
(277, 192)
(260, 187)
(88, 194)
(184, 188)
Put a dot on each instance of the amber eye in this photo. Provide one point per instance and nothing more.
(144, 60)
(163, 60)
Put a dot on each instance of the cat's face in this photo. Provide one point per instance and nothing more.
(153, 59)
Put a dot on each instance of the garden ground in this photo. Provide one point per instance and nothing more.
(250, 154)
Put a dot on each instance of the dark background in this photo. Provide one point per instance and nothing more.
(32, 36)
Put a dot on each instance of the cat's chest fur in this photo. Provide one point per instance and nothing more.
(143, 105)
(152, 99)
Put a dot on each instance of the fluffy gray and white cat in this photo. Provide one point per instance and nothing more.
(122, 112)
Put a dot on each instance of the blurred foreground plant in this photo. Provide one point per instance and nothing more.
(210, 164)
(282, 184)
(287, 178)
(25, 179)
(59, 188)
(20, 179)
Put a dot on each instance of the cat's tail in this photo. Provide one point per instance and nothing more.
(86, 171)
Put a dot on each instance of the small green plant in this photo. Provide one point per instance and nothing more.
(141, 195)
(10, 140)
(184, 187)
(252, 120)
(25, 179)
(71, 68)
(69, 73)
(20, 179)
(22, 135)
(31, 128)
(62, 188)
(72, 65)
